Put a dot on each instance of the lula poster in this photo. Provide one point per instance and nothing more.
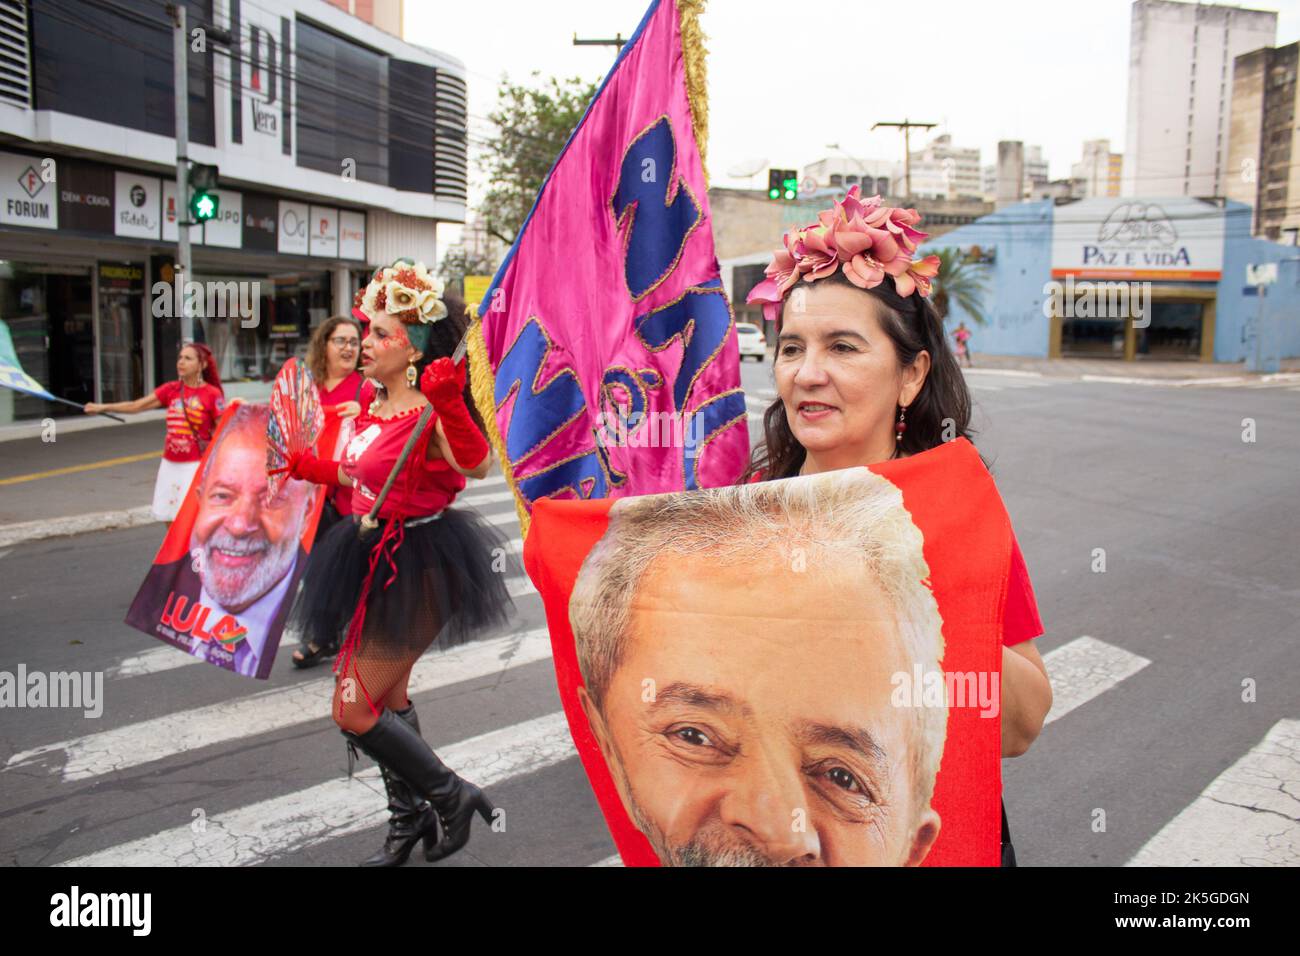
(791, 672)
(225, 578)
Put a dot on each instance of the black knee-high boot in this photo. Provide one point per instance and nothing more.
(411, 819)
(392, 743)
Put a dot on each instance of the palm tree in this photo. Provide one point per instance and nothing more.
(960, 282)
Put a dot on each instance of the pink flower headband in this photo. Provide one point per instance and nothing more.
(866, 239)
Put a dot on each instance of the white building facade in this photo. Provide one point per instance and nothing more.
(339, 148)
(1180, 93)
(944, 171)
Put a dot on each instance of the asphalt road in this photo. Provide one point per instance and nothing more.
(1200, 532)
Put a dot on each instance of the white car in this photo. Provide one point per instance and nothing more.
(751, 341)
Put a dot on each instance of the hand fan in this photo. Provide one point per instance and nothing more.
(296, 419)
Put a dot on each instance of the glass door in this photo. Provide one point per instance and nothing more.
(121, 339)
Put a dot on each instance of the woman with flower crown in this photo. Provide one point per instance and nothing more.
(430, 572)
(864, 374)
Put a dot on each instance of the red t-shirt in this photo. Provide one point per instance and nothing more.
(345, 391)
(192, 415)
(1020, 620)
(424, 488)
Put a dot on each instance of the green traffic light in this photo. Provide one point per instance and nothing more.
(774, 194)
(204, 206)
(789, 194)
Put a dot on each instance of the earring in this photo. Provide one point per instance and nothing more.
(901, 426)
(411, 375)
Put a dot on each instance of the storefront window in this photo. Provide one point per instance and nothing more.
(1093, 338)
(1174, 331)
(253, 323)
(49, 313)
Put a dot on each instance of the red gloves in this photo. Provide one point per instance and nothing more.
(307, 467)
(443, 384)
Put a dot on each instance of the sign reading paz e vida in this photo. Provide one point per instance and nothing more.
(1175, 238)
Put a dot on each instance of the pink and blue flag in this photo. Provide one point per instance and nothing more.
(604, 359)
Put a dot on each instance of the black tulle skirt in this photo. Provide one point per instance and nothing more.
(444, 583)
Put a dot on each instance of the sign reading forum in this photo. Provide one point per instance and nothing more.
(1166, 239)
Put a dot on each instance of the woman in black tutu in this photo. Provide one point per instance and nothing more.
(429, 573)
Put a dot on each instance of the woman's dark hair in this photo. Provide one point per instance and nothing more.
(444, 336)
(316, 362)
(940, 412)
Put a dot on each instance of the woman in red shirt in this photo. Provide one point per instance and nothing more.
(433, 574)
(864, 374)
(194, 403)
(332, 356)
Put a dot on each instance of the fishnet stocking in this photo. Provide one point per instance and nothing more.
(380, 671)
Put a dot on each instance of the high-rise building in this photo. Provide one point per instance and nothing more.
(1263, 145)
(945, 171)
(1100, 170)
(1035, 169)
(1010, 183)
(1180, 93)
(384, 14)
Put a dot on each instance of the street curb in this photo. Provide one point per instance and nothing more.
(1165, 382)
(12, 534)
(71, 424)
(1018, 372)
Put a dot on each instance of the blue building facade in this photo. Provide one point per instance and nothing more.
(1129, 278)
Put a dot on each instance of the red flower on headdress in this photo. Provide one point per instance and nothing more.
(863, 237)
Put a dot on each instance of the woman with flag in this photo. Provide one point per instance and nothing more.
(864, 374)
(193, 402)
(427, 572)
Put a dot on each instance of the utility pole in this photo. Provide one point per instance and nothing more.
(181, 92)
(906, 126)
(618, 41)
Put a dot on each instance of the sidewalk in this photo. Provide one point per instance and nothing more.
(1083, 368)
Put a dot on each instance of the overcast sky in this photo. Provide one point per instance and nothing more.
(782, 86)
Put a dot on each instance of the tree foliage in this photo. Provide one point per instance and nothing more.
(532, 125)
(960, 282)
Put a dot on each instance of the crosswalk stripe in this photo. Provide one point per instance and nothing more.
(614, 860)
(502, 520)
(486, 498)
(1085, 668)
(158, 738)
(1245, 817)
(154, 661)
(165, 657)
(260, 831)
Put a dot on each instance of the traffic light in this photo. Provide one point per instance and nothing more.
(204, 202)
(782, 184)
(204, 206)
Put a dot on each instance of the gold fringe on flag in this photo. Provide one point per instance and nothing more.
(694, 55)
(482, 385)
